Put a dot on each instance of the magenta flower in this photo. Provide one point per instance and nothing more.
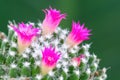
(78, 34)
(49, 59)
(26, 34)
(52, 19)
(77, 60)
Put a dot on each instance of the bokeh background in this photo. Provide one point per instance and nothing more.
(102, 16)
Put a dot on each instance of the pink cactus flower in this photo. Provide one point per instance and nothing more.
(77, 60)
(52, 19)
(26, 34)
(49, 59)
(78, 34)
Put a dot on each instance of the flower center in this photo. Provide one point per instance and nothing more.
(50, 59)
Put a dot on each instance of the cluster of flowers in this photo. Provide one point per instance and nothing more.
(48, 52)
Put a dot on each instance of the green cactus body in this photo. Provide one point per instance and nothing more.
(28, 63)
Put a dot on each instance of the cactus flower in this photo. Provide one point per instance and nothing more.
(49, 59)
(52, 19)
(77, 35)
(77, 60)
(25, 34)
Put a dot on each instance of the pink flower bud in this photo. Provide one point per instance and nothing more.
(77, 60)
(77, 35)
(25, 34)
(49, 59)
(52, 19)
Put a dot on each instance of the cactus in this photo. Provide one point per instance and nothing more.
(49, 55)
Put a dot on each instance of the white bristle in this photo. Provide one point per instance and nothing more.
(65, 70)
(77, 72)
(58, 65)
(5, 40)
(37, 63)
(13, 65)
(38, 77)
(51, 73)
(25, 55)
(13, 44)
(26, 64)
(12, 53)
(88, 71)
(61, 78)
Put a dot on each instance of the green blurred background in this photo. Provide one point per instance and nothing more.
(102, 16)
